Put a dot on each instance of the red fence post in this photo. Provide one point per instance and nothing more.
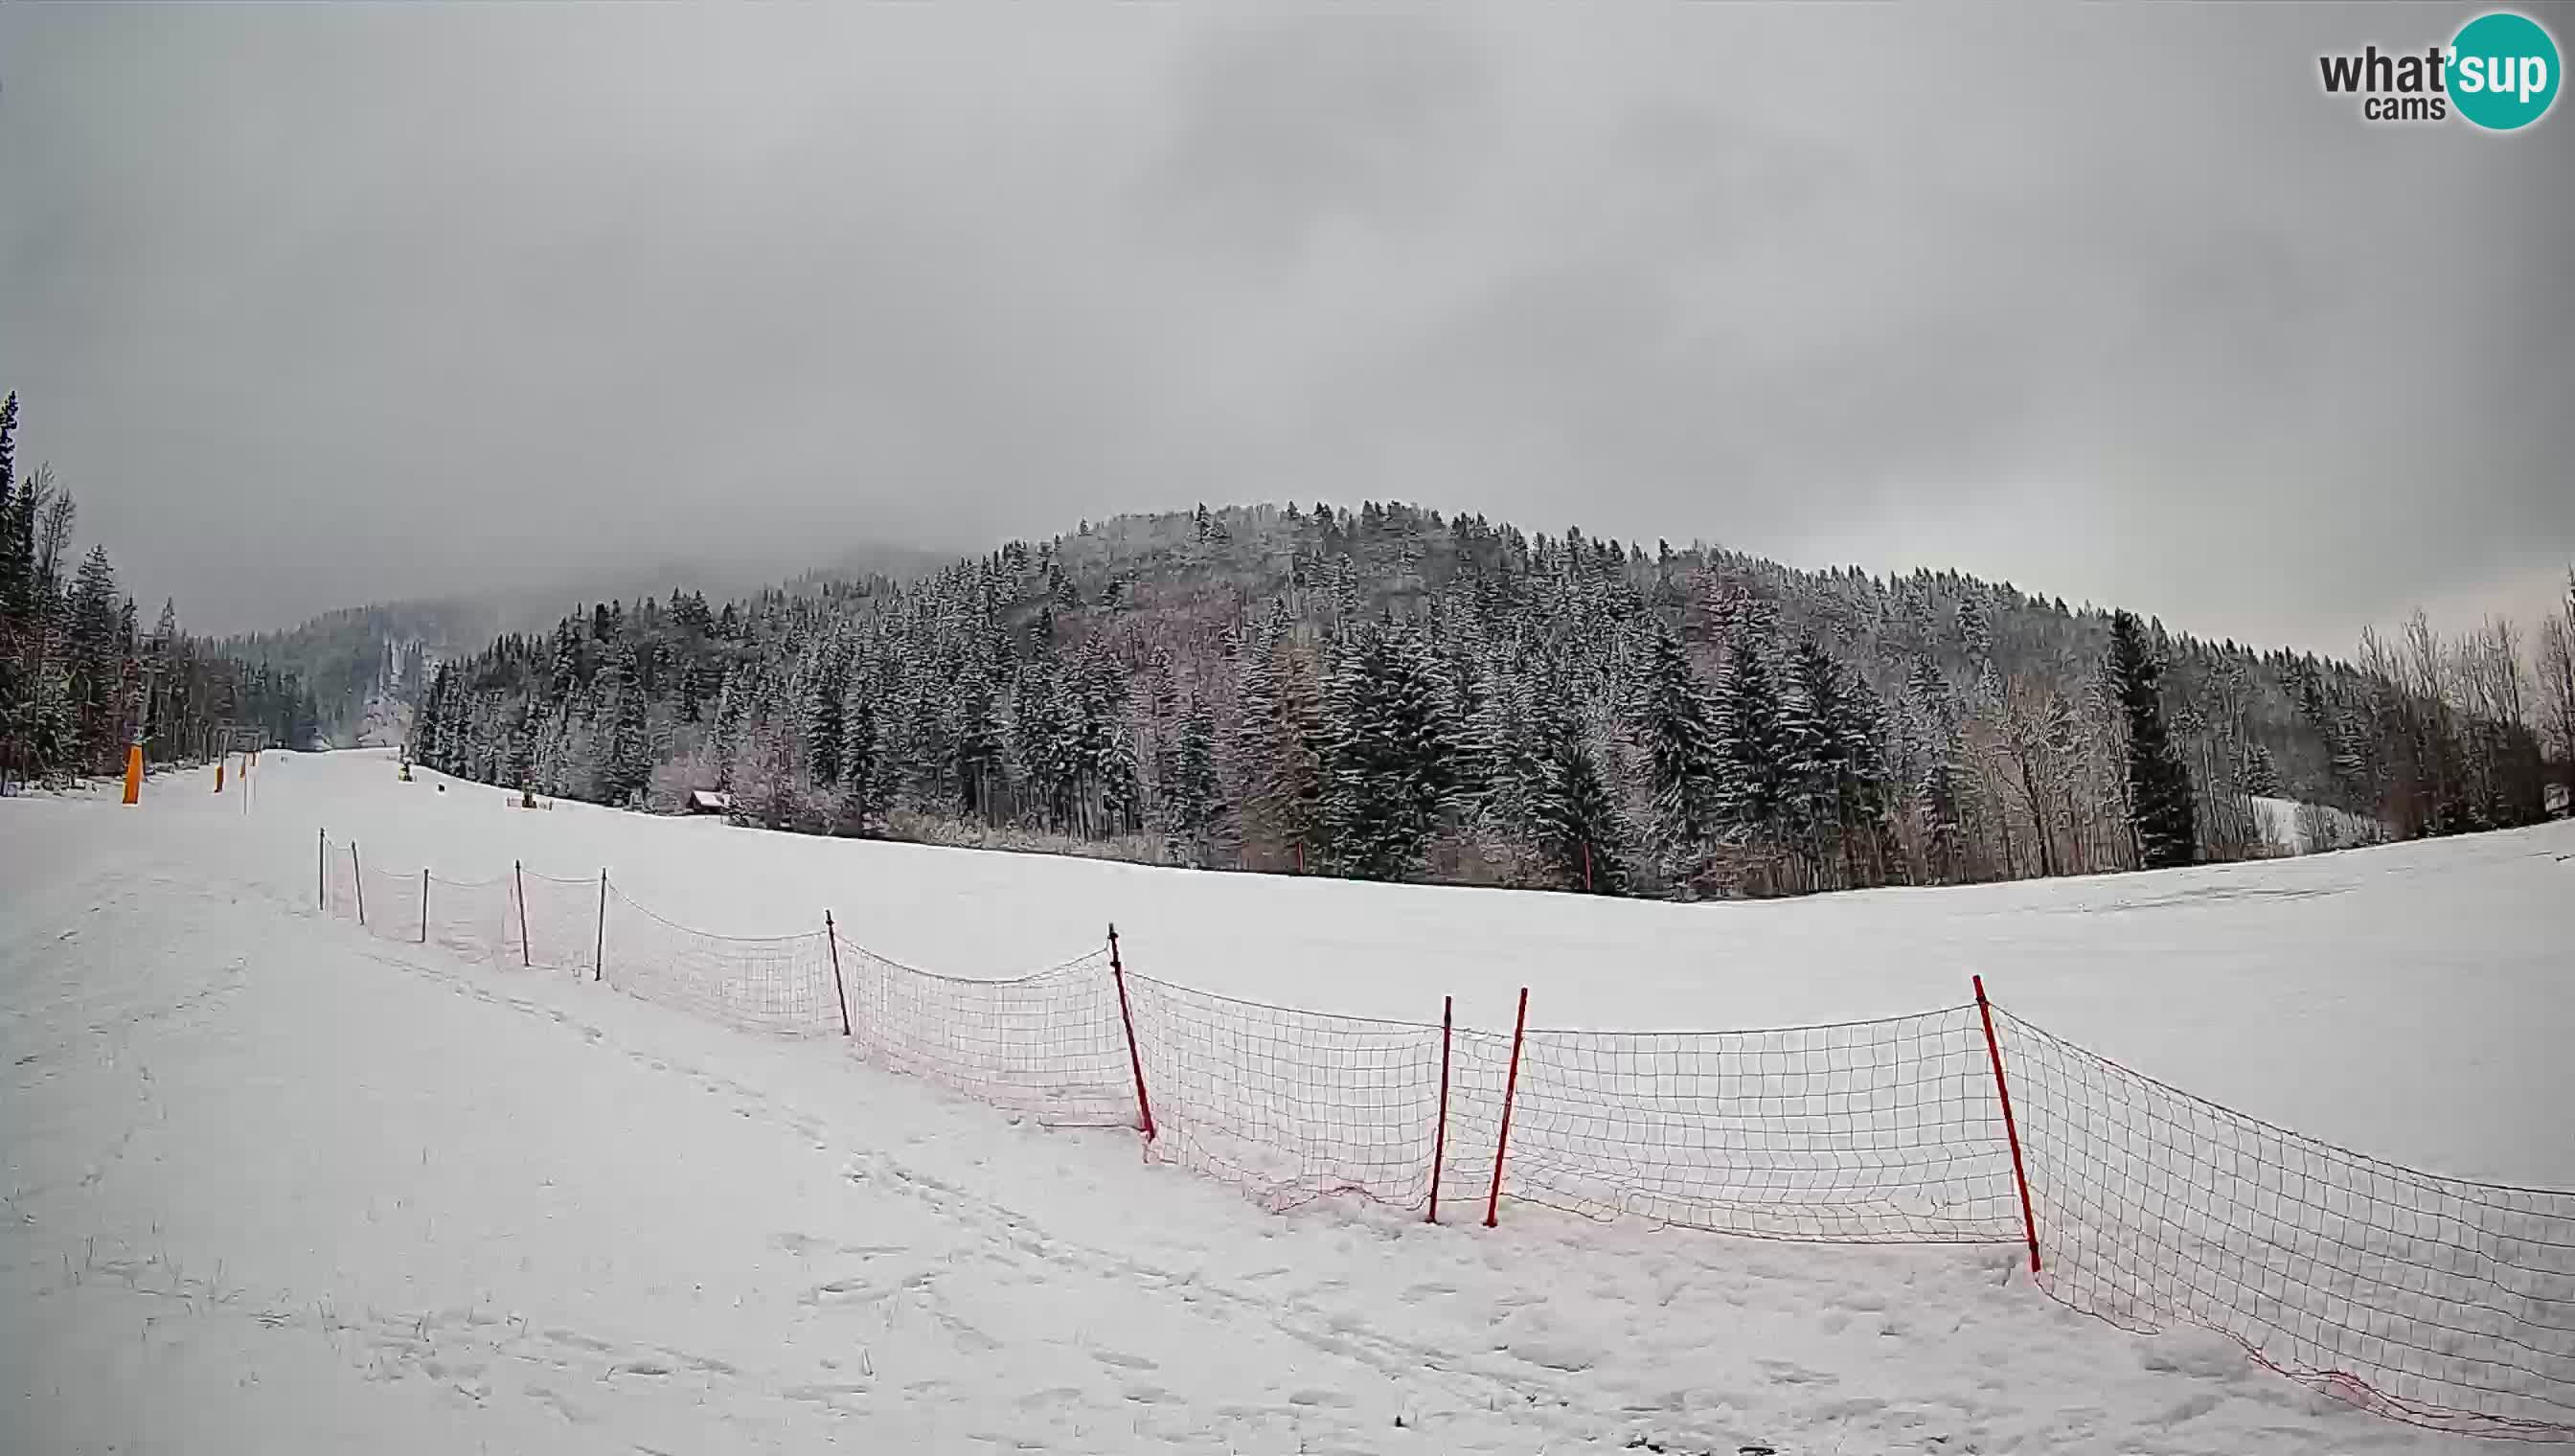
(424, 904)
(1511, 1091)
(1134, 1058)
(358, 878)
(599, 955)
(2011, 1130)
(831, 937)
(1439, 1139)
(519, 880)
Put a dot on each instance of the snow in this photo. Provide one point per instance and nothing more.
(383, 722)
(2295, 828)
(2409, 1001)
(274, 1186)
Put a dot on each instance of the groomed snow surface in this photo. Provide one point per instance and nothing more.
(276, 1185)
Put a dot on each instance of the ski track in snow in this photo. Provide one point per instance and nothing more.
(272, 1185)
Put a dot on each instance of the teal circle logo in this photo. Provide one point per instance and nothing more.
(2503, 71)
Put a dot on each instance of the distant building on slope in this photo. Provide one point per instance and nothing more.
(2557, 799)
(709, 801)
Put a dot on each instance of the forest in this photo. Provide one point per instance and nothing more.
(1382, 693)
(353, 660)
(1389, 694)
(79, 680)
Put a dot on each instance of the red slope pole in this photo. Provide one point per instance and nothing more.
(1134, 1058)
(2011, 1130)
(424, 904)
(831, 937)
(358, 878)
(519, 877)
(1511, 1092)
(599, 962)
(1439, 1139)
(321, 868)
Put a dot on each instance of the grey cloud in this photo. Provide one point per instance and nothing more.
(1282, 123)
(318, 306)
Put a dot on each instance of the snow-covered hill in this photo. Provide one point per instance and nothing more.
(276, 1186)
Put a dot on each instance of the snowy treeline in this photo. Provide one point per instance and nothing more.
(361, 661)
(1390, 694)
(77, 680)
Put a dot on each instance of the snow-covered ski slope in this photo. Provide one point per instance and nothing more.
(276, 1185)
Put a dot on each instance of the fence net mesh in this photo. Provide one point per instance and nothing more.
(1048, 1046)
(471, 918)
(2444, 1303)
(554, 922)
(775, 983)
(1289, 1105)
(1866, 1132)
(395, 904)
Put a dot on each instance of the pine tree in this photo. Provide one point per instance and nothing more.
(823, 713)
(1111, 792)
(1580, 832)
(94, 656)
(626, 767)
(2162, 812)
(1256, 745)
(862, 801)
(1976, 631)
(733, 699)
(692, 693)
(425, 746)
(1753, 785)
(1189, 792)
(1682, 768)
(1867, 784)
(2261, 776)
(1386, 775)
(1509, 733)
(1811, 747)
(980, 743)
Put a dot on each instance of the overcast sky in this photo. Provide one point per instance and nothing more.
(312, 306)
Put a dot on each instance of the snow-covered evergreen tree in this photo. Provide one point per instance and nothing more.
(1578, 831)
(1685, 774)
(626, 760)
(2162, 812)
(1386, 770)
(1752, 783)
(1190, 791)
